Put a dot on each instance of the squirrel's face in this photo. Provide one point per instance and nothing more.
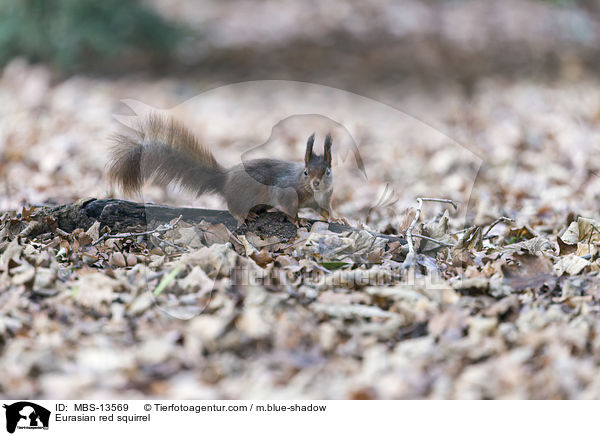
(317, 169)
(317, 177)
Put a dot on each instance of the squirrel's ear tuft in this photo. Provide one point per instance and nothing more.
(327, 149)
(309, 149)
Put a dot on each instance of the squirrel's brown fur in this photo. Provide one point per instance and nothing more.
(164, 151)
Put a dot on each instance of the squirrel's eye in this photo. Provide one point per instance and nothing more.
(306, 172)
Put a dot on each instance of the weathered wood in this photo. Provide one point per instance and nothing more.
(127, 216)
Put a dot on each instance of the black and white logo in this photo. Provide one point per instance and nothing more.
(26, 415)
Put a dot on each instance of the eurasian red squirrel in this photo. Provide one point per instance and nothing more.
(164, 151)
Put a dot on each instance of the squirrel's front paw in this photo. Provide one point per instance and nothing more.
(299, 222)
(302, 222)
(333, 218)
(339, 220)
(252, 216)
(293, 219)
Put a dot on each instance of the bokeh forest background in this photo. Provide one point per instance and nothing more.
(495, 105)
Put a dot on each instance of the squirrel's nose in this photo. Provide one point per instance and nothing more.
(316, 183)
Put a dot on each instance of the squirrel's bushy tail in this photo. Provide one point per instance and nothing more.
(164, 151)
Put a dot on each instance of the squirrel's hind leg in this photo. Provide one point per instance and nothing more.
(241, 219)
(250, 215)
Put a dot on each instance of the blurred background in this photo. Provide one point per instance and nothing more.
(340, 43)
(472, 70)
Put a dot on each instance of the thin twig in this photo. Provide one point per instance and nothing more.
(160, 229)
(170, 244)
(410, 257)
(499, 220)
(61, 232)
(592, 234)
(409, 261)
(462, 230)
(427, 238)
(440, 200)
(33, 225)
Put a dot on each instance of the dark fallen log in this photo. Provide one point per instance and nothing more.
(127, 216)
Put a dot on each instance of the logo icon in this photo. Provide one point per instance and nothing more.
(26, 415)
